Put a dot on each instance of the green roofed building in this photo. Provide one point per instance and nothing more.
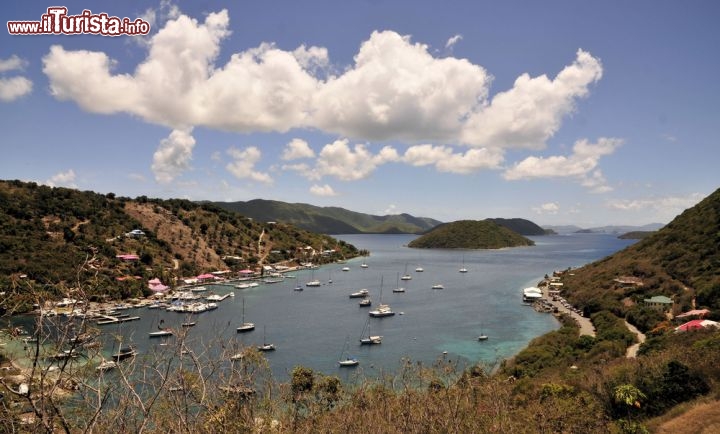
(659, 303)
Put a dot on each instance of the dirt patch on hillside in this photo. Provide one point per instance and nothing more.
(701, 419)
(191, 247)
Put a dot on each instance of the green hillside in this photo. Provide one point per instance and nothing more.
(329, 220)
(636, 235)
(58, 238)
(680, 261)
(521, 226)
(470, 234)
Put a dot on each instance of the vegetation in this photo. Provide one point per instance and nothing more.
(329, 220)
(636, 235)
(470, 234)
(680, 261)
(562, 382)
(521, 226)
(55, 237)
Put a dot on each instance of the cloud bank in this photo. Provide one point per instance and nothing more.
(395, 89)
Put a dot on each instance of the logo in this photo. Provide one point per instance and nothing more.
(57, 22)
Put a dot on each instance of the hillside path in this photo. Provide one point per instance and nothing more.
(633, 349)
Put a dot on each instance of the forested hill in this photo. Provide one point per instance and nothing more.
(470, 234)
(680, 261)
(329, 220)
(47, 235)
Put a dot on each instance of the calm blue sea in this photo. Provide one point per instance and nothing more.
(311, 327)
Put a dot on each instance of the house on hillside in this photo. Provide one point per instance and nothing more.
(659, 303)
(135, 233)
(628, 282)
(697, 324)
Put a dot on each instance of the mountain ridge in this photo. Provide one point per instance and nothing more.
(329, 220)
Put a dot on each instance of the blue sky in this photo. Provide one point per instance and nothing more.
(562, 112)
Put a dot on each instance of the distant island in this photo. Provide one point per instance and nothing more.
(470, 234)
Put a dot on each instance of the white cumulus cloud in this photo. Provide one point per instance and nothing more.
(12, 63)
(62, 179)
(14, 88)
(322, 190)
(339, 160)
(532, 111)
(173, 156)
(243, 164)
(581, 164)
(297, 149)
(397, 90)
(669, 204)
(445, 159)
(547, 208)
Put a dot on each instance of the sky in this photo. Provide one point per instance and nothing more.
(560, 112)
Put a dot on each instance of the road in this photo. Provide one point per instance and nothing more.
(586, 326)
(633, 349)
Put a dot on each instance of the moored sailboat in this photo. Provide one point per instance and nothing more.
(245, 326)
(366, 338)
(346, 360)
(382, 310)
(265, 346)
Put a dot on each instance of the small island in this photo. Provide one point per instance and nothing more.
(470, 234)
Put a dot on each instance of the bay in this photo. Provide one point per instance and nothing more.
(311, 327)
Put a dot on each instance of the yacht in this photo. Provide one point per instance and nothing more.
(360, 294)
(348, 361)
(382, 311)
(161, 333)
(438, 286)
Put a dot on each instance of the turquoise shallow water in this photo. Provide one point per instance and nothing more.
(311, 327)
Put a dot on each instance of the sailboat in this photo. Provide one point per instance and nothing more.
(245, 326)
(298, 287)
(313, 281)
(383, 310)
(366, 338)
(483, 336)
(161, 332)
(398, 288)
(346, 360)
(265, 346)
(463, 269)
(406, 276)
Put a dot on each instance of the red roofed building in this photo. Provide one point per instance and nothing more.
(696, 324)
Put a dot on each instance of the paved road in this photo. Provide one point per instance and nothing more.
(633, 349)
(586, 327)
